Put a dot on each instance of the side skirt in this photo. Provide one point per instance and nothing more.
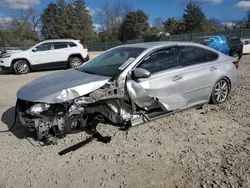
(49, 65)
(148, 119)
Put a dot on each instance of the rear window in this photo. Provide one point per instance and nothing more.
(191, 55)
(72, 44)
(60, 45)
(211, 56)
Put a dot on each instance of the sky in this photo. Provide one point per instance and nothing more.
(225, 10)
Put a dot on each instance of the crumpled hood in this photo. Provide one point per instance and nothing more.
(61, 86)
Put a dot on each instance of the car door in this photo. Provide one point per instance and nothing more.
(41, 54)
(198, 72)
(164, 87)
(61, 52)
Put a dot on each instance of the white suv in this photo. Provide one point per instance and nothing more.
(47, 54)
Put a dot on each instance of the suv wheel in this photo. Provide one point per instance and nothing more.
(21, 67)
(236, 55)
(220, 91)
(75, 62)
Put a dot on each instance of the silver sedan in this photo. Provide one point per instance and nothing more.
(127, 85)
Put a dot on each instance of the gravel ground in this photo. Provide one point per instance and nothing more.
(205, 147)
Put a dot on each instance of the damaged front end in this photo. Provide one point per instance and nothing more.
(50, 121)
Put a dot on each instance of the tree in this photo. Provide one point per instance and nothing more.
(22, 28)
(158, 23)
(110, 17)
(67, 20)
(173, 26)
(30, 16)
(214, 25)
(83, 24)
(194, 19)
(51, 22)
(134, 25)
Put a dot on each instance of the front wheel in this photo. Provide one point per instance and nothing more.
(21, 67)
(220, 91)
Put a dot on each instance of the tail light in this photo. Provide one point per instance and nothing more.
(236, 64)
(83, 45)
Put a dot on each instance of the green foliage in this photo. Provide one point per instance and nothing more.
(213, 25)
(194, 19)
(135, 25)
(173, 26)
(18, 33)
(65, 20)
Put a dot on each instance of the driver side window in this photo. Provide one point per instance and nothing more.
(160, 60)
(44, 47)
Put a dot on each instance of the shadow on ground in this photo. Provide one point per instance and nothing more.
(8, 118)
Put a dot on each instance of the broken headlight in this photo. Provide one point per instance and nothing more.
(37, 109)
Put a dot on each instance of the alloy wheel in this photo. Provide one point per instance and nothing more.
(22, 68)
(221, 91)
(76, 63)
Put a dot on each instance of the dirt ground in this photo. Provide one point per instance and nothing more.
(205, 147)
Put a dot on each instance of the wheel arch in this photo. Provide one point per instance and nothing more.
(76, 55)
(18, 59)
(221, 77)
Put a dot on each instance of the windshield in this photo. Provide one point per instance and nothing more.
(112, 63)
(30, 47)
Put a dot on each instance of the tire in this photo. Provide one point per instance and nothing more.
(220, 91)
(236, 55)
(75, 62)
(21, 67)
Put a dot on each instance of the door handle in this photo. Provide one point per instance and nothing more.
(176, 78)
(213, 68)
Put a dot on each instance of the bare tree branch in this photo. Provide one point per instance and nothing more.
(111, 16)
(29, 16)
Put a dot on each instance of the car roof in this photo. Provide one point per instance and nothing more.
(150, 45)
(61, 40)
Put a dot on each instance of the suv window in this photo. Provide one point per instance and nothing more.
(60, 45)
(191, 55)
(44, 47)
(246, 42)
(160, 60)
(72, 44)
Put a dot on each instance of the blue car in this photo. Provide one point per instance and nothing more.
(231, 46)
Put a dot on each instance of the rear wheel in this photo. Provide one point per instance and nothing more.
(21, 67)
(75, 62)
(220, 91)
(236, 55)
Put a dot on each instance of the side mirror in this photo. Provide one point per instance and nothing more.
(34, 50)
(140, 73)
